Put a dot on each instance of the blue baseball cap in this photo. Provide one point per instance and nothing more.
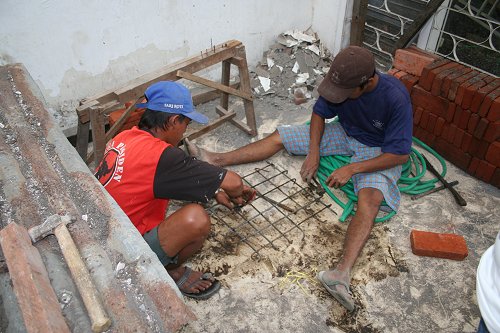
(171, 97)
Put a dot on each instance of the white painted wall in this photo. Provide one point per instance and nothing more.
(74, 48)
(332, 22)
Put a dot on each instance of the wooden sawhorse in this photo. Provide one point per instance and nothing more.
(92, 111)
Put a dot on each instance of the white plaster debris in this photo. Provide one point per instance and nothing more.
(313, 48)
(119, 266)
(270, 63)
(296, 68)
(85, 217)
(302, 78)
(2, 125)
(265, 83)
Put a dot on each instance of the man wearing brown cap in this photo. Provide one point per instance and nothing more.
(374, 127)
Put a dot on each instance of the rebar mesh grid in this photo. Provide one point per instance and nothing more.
(275, 217)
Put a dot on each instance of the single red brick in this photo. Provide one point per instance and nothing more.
(431, 244)
(464, 119)
(409, 81)
(494, 112)
(459, 135)
(478, 148)
(485, 171)
(438, 129)
(417, 115)
(492, 132)
(447, 81)
(452, 92)
(493, 154)
(466, 141)
(473, 121)
(451, 133)
(487, 102)
(481, 94)
(432, 122)
(474, 163)
(429, 138)
(428, 73)
(418, 132)
(440, 74)
(481, 127)
(411, 62)
(457, 115)
(446, 129)
(424, 99)
(425, 119)
(495, 180)
(450, 112)
(452, 154)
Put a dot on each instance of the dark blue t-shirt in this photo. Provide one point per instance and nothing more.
(379, 118)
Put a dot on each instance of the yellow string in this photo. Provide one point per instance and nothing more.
(298, 278)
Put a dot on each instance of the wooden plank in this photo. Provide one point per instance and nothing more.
(98, 133)
(416, 25)
(83, 115)
(245, 87)
(227, 116)
(226, 73)
(82, 138)
(241, 125)
(136, 87)
(37, 300)
(359, 9)
(215, 85)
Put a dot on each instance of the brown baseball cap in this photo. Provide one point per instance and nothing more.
(351, 67)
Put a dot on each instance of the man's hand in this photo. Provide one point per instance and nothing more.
(309, 167)
(339, 177)
(247, 195)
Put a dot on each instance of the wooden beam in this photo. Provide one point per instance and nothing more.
(214, 85)
(227, 116)
(98, 133)
(416, 25)
(359, 9)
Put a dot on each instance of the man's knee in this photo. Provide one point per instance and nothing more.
(370, 199)
(196, 220)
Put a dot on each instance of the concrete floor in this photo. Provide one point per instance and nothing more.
(395, 290)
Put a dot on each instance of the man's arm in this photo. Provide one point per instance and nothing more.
(382, 162)
(310, 165)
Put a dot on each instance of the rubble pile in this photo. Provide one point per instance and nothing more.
(292, 68)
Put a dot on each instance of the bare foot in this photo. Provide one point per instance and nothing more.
(189, 281)
(199, 153)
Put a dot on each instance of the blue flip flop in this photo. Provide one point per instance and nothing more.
(204, 294)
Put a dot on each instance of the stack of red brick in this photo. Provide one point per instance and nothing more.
(456, 110)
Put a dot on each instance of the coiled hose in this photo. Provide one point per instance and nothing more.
(410, 182)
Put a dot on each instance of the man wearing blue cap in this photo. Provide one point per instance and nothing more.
(143, 169)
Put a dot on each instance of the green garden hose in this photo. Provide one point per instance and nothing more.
(410, 182)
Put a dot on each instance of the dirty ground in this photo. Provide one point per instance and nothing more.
(394, 290)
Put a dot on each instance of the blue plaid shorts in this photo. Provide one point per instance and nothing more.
(335, 141)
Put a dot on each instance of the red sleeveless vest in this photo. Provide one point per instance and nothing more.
(127, 172)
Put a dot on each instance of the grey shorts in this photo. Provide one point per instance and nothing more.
(151, 237)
